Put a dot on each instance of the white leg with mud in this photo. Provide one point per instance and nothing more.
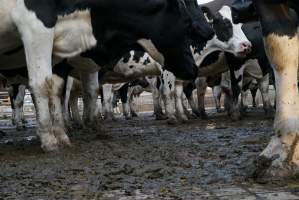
(283, 149)
(264, 88)
(217, 96)
(56, 109)
(178, 101)
(18, 105)
(108, 98)
(38, 44)
(168, 96)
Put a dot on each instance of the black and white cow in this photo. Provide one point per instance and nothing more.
(236, 65)
(68, 28)
(124, 91)
(229, 37)
(220, 14)
(280, 33)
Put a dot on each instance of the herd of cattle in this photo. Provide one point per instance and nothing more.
(63, 49)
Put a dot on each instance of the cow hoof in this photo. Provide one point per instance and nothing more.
(192, 116)
(235, 117)
(134, 115)
(219, 110)
(49, 143)
(262, 170)
(183, 119)
(161, 117)
(20, 128)
(110, 119)
(61, 136)
(203, 116)
(128, 118)
(172, 121)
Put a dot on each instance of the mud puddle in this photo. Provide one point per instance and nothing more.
(137, 159)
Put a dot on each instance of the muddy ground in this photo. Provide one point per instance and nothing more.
(140, 158)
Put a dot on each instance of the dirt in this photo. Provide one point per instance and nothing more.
(143, 158)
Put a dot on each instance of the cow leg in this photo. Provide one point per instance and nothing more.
(281, 157)
(55, 105)
(38, 44)
(168, 87)
(192, 103)
(90, 86)
(253, 93)
(17, 93)
(201, 85)
(217, 96)
(123, 91)
(108, 98)
(158, 112)
(132, 106)
(188, 91)
(66, 111)
(244, 101)
(178, 101)
(12, 94)
(131, 102)
(264, 88)
(73, 104)
(18, 105)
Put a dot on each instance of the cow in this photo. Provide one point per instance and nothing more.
(237, 65)
(124, 91)
(282, 47)
(220, 15)
(228, 38)
(96, 28)
(280, 34)
(17, 94)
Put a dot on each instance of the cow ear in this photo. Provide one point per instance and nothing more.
(208, 14)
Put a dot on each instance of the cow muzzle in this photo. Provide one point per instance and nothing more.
(244, 49)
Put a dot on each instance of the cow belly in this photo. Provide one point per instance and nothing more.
(73, 34)
(136, 70)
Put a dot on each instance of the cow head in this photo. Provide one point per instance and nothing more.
(229, 35)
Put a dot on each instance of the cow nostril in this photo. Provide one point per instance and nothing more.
(246, 46)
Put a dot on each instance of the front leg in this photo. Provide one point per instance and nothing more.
(244, 101)
(178, 101)
(217, 91)
(38, 45)
(281, 157)
(264, 88)
(154, 87)
(66, 110)
(108, 102)
(168, 87)
(188, 91)
(123, 92)
(18, 105)
(90, 86)
(201, 85)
